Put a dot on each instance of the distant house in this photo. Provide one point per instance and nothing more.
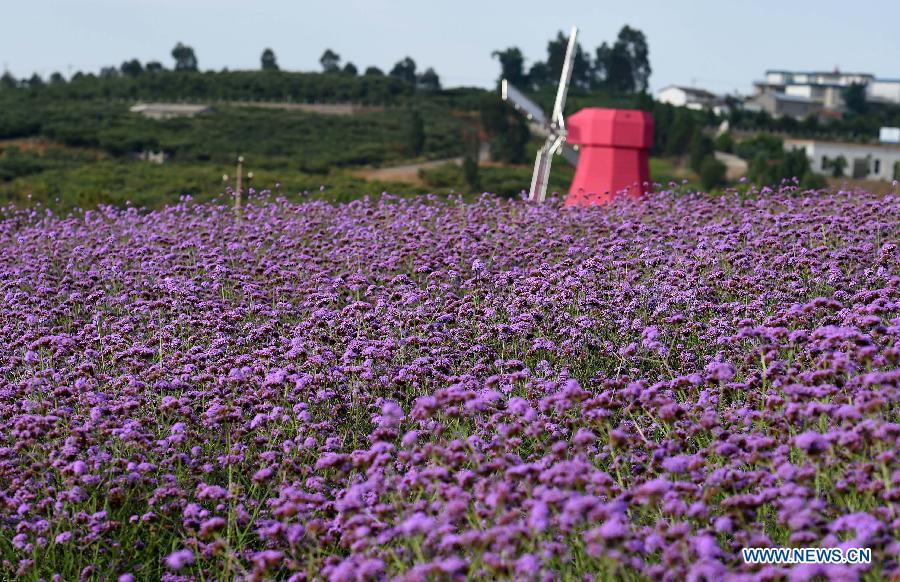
(168, 110)
(863, 161)
(827, 88)
(689, 97)
(780, 79)
(884, 90)
(779, 104)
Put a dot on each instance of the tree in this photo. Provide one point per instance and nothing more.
(837, 166)
(416, 134)
(508, 131)
(131, 68)
(701, 148)
(57, 79)
(331, 61)
(185, 59)
(556, 56)
(539, 75)
(109, 73)
(405, 70)
(7, 81)
(724, 142)
(470, 173)
(712, 173)
(512, 66)
(429, 80)
(35, 81)
(154, 67)
(267, 60)
(855, 99)
(633, 44)
(624, 67)
(373, 72)
(350, 70)
(680, 133)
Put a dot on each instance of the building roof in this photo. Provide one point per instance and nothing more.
(692, 91)
(823, 73)
(849, 144)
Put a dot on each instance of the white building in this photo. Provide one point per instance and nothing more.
(863, 161)
(884, 90)
(690, 97)
(827, 88)
(782, 79)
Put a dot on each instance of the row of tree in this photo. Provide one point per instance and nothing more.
(186, 61)
(623, 67)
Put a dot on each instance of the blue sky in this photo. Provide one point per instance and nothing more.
(719, 45)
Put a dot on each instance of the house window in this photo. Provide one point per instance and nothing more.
(876, 167)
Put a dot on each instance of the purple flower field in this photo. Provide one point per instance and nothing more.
(438, 390)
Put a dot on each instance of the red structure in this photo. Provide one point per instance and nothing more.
(613, 147)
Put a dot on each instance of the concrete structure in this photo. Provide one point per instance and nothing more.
(889, 135)
(159, 157)
(735, 167)
(781, 104)
(884, 90)
(779, 79)
(827, 88)
(168, 110)
(613, 148)
(690, 97)
(863, 161)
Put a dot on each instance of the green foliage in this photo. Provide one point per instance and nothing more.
(141, 184)
(405, 70)
(185, 59)
(470, 173)
(837, 166)
(267, 60)
(429, 80)
(330, 61)
(272, 137)
(624, 67)
(506, 129)
(724, 142)
(770, 163)
(416, 134)
(679, 134)
(701, 149)
(770, 145)
(855, 99)
(512, 66)
(210, 86)
(712, 173)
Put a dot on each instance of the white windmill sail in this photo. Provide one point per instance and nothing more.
(554, 128)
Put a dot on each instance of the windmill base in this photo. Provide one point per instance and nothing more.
(604, 173)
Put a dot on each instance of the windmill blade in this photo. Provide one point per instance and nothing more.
(557, 116)
(521, 103)
(570, 154)
(541, 174)
(542, 165)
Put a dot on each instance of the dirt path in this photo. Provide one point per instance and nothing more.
(409, 173)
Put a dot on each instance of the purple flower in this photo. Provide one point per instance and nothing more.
(811, 442)
(179, 559)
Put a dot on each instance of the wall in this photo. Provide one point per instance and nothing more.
(887, 156)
